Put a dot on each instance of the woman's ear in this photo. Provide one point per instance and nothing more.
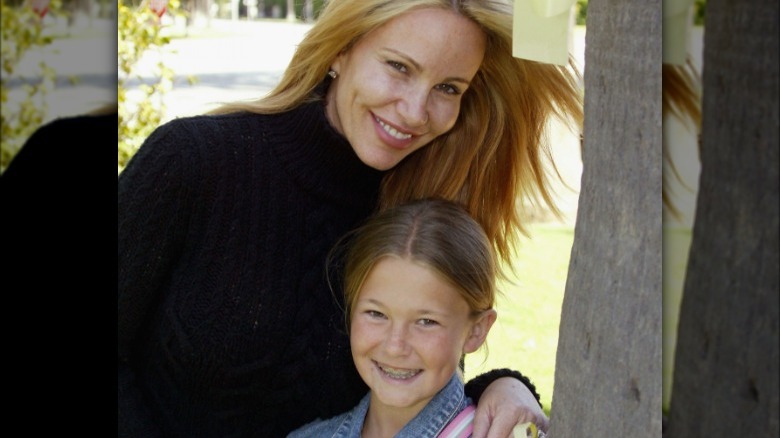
(479, 331)
(337, 63)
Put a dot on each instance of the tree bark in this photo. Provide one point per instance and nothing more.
(198, 12)
(608, 362)
(726, 363)
(290, 10)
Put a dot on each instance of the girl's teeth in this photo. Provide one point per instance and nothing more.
(399, 373)
(393, 132)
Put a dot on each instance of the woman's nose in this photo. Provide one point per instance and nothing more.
(414, 108)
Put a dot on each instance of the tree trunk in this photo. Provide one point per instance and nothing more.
(199, 13)
(290, 10)
(608, 362)
(308, 11)
(726, 364)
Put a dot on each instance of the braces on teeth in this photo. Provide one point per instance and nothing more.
(403, 375)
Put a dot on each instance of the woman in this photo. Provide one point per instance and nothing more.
(227, 326)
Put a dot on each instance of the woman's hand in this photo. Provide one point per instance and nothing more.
(505, 403)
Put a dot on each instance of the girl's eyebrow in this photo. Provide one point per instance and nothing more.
(421, 312)
(418, 67)
(372, 301)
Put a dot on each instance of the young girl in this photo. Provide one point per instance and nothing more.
(419, 284)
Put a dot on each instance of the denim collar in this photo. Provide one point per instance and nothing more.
(429, 422)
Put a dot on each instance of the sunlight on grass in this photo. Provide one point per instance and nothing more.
(525, 336)
(677, 244)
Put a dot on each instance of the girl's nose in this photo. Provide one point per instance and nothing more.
(397, 340)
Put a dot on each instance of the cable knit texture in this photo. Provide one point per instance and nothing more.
(226, 324)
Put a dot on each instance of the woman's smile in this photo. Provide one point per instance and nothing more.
(400, 86)
(394, 137)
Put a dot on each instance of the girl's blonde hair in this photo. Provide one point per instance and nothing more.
(434, 233)
(493, 159)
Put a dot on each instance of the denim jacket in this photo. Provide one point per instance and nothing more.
(442, 408)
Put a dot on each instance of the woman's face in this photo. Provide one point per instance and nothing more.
(401, 85)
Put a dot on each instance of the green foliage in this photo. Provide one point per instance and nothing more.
(316, 7)
(698, 12)
(299, 5)
(525, 335)
(22, 33)
(581, 11)
(140, 111)
(699, 7)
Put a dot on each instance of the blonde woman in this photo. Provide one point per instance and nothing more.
(226, 322)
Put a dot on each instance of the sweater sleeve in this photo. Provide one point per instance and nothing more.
(476, 386)
(153, 197)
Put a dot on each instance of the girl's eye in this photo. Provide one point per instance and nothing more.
(427, 322)
(397, 65)
(448, 89)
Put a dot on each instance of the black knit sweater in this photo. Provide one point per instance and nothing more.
(226, 323)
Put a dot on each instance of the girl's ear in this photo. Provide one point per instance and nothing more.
(479, 331)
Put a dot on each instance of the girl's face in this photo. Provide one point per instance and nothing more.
(401, 85)
(409, 329)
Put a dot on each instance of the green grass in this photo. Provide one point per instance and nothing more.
(525, 336)
(677, 244)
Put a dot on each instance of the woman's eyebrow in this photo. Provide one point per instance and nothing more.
(418, 67)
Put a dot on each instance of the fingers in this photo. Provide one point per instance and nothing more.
(542, 422)
(505, 403)
(538, 418)
(481, 423)
(503, 424)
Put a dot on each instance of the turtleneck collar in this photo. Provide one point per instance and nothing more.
(320, 158)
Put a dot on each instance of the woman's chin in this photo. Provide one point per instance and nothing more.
(380, 161)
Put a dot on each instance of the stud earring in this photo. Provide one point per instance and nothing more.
(333, 74)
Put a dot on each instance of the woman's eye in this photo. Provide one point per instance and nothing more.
(448, 89)
(374, 314)
(397, 65)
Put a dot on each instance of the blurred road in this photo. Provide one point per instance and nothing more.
(85, 63)
(231, 60)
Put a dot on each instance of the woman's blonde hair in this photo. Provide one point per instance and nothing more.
(493, 159)
(681, 92)
(434, 233)
(680, 98)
